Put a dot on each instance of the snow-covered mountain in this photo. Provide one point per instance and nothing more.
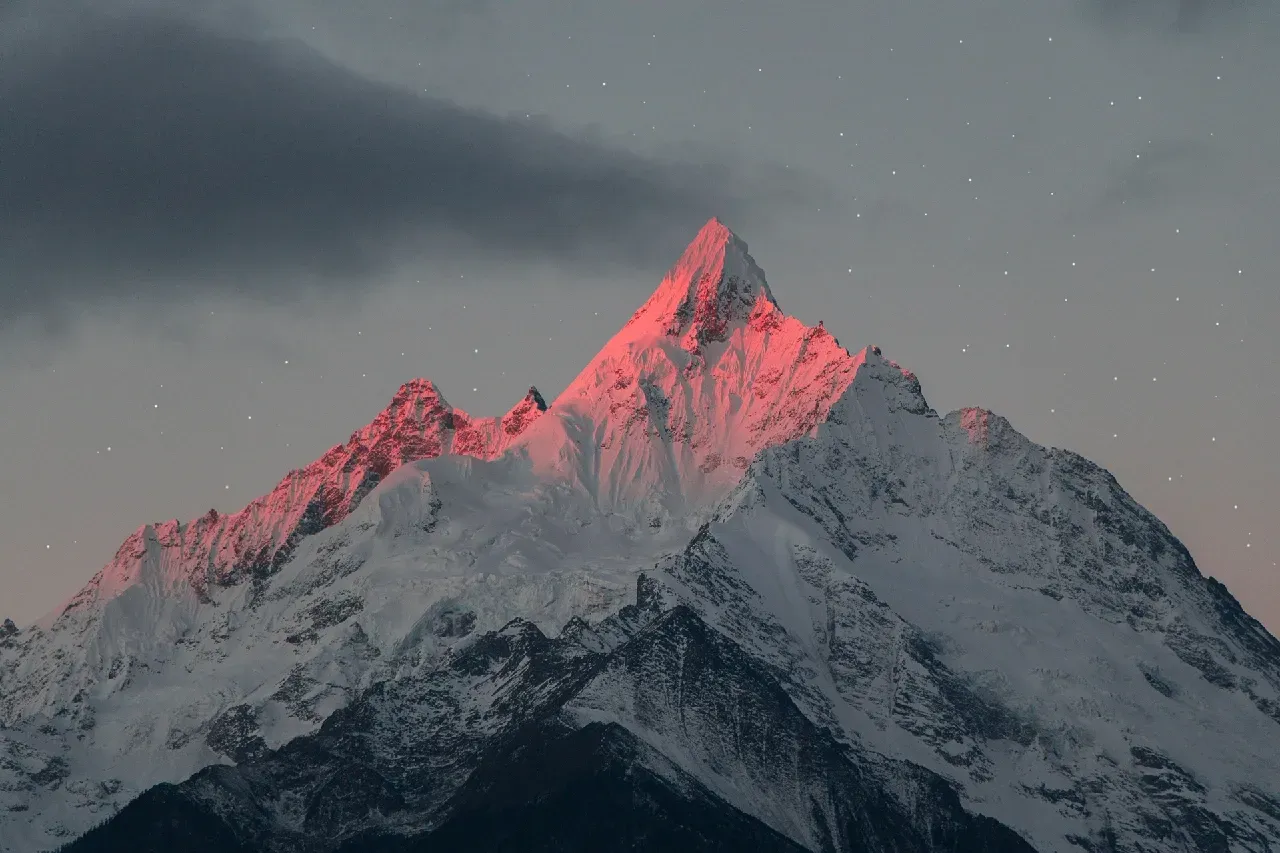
(737, 587)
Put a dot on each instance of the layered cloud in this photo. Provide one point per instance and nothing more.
(148, 154)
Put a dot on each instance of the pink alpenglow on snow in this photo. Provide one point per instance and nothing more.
(805, 503)
(663, 421)
(977, 422)
(707, 372)
(226, 549)
(665, 418)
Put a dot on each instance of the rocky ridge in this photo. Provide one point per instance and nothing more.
(986, 642)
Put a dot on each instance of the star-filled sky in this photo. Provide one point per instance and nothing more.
(230, 230)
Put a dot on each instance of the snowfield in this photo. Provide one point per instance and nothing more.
(960, 613)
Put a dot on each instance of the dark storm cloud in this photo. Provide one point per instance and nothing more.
(144, 152)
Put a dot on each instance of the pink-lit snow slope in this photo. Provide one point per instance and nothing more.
(707, 373)
(218, 549)
(663, 420)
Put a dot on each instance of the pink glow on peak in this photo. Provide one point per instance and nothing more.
(976, 422)
(221, 549)
(715, 283)
(665, 418)
(707, 372)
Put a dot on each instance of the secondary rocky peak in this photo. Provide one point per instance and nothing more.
(897, 387)
(523, 413)
(7, 629)
(417, 388)
(535, 398)
(713, 285)
(224, 549)
(873, 360)
(416, 401)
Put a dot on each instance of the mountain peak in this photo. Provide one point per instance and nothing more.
(523, 413)
(417, 410)
(714, 284)
(223, 549)
(709, 371)
(536, 398)
(418, 386)
(892, 580)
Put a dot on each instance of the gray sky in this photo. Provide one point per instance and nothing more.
(228, 239)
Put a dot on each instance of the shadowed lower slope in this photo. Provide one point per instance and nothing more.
(507, 748)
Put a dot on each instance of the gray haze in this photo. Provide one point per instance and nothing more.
(225, 240)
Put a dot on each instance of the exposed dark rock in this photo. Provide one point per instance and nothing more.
(235, 734)
(424, 763)
(453, 623)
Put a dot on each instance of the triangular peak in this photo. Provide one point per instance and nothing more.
(417, 404)
(714, 284)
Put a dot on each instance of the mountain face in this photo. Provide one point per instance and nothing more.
(223, 550)
(735, 588)
(518, 737)
(706, 373)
